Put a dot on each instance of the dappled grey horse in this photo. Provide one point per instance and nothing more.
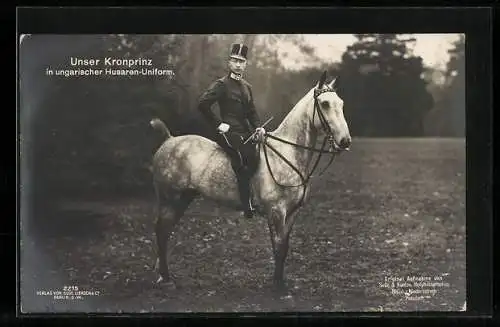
(188, 166)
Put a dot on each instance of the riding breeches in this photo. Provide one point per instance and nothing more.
(243, 161)
(243, 156)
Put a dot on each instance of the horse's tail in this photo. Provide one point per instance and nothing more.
(158, 125)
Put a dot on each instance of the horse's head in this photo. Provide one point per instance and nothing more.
(328, 115)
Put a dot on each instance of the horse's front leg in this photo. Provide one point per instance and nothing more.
(280, 255)
(280, 235)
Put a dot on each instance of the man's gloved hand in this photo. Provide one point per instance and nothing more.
(259, 134)
(223, 128)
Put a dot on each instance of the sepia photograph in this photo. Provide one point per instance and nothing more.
(167, 173)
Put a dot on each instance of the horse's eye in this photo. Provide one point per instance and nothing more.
(325, 104)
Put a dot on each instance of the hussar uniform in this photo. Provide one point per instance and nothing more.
(237, 109)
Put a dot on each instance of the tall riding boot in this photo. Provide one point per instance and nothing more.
(244, 189)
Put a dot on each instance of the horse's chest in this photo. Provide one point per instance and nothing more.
(286, 196)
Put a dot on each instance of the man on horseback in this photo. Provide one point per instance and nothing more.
(238, 120)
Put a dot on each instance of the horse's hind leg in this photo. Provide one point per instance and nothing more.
(171, 208)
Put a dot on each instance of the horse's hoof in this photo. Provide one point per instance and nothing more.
(286, 297)
(170, 285)
(164, 278)
(280, 289)
(166, 282)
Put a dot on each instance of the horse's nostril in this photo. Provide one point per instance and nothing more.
(345, 142)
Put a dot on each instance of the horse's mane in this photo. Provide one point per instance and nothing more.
(299, 104)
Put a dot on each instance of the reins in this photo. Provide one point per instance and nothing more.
(304, 180)
(329, 137)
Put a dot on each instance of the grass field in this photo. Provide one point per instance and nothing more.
(388, 208)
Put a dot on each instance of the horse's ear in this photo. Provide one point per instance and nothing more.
(333, 83)
(322, 80)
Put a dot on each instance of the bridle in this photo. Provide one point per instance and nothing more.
(324, 123)
(329, 137)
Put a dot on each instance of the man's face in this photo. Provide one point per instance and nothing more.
(237, 65)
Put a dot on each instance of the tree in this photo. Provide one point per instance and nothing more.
(94, 132)
(275, 89)
(435, 122)
(456, 90)
(447, 118)
(382, 86)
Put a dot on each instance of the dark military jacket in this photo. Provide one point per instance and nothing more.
(236, 105)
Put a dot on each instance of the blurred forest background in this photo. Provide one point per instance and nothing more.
(92, 135)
